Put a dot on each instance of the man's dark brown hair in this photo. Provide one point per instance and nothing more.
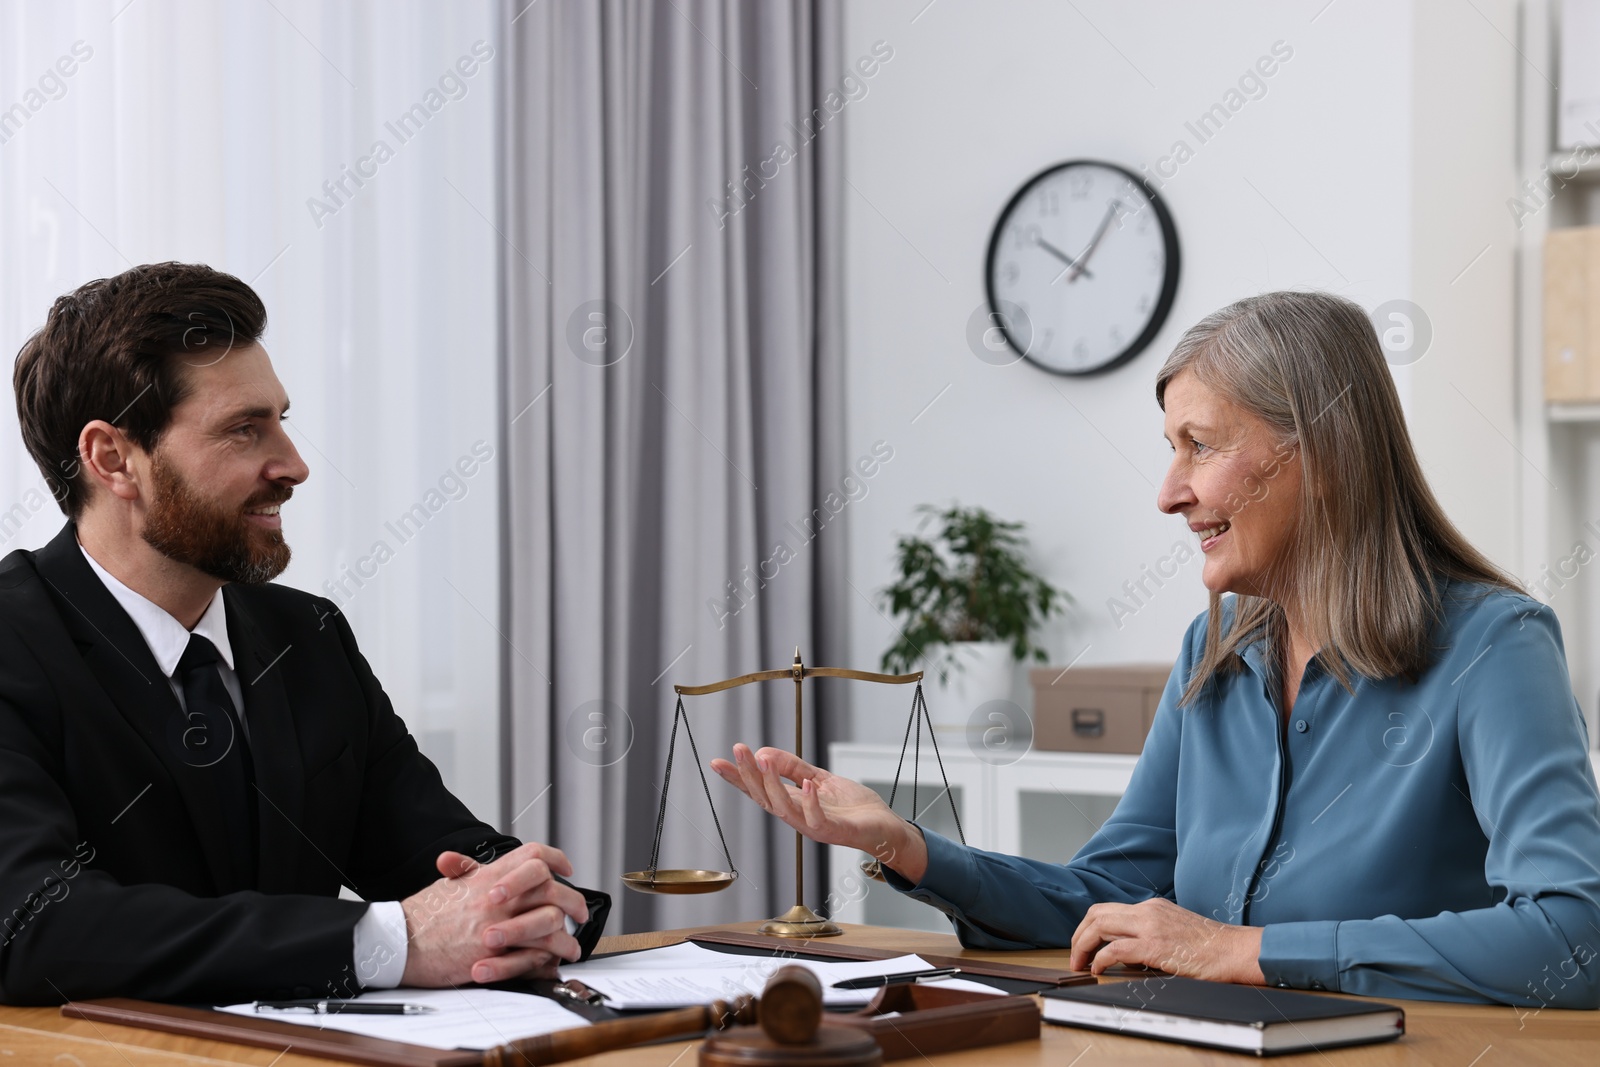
(114, 349)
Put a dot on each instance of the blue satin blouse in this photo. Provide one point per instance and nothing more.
(1433, 840)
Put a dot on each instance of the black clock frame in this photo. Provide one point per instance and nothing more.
(1169, 283)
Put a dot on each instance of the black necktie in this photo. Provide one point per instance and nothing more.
(214, 743)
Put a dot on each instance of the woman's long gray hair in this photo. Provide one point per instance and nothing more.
(1371, 546)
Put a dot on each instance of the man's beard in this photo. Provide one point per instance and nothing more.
(184, 526)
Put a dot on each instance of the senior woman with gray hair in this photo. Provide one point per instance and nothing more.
(1367, 773)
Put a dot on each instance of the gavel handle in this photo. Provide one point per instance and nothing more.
(621, 1033)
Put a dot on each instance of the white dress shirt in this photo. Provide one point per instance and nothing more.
(380, 935)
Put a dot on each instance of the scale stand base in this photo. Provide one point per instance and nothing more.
(800, 921)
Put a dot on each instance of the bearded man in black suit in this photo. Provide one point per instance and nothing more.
(193, 759)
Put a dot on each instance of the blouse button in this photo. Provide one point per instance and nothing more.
(1301, 725)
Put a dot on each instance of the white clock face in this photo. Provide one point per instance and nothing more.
(1082, 268)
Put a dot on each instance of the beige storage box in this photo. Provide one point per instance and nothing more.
(1572, 315)
(1096, 709)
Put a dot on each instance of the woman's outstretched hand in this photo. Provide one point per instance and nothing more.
(825, 807)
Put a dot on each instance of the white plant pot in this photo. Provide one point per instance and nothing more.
(983, 673)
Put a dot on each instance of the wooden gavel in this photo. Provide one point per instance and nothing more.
(789, 1011)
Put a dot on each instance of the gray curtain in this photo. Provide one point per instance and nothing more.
(672, 418)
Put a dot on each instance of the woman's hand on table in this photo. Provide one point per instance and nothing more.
(825, 807)
(1156, 933)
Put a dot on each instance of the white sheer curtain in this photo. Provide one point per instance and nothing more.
(206, 132)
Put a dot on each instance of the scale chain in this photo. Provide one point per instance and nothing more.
(666, 782)
(695, 752)
(916, 745)
(919, 715)
(904, 741)
(955, 813)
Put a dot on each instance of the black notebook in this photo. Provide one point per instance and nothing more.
(1218, 1015)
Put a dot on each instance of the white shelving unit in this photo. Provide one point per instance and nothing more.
(1046, 806)
(1560, 494)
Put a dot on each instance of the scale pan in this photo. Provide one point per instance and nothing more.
(679, 881)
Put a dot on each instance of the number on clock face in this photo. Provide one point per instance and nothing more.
(1083, 266)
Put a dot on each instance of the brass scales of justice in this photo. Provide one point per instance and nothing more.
(798, 921)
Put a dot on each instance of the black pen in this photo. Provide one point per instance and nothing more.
(343, 1007)
(876, 980)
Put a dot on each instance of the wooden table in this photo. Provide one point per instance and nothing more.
(1453, 1035)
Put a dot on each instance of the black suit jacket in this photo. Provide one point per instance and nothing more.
(114, 872)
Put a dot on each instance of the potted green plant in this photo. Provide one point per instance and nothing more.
(967, 605)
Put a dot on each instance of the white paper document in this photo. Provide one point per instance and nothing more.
(468, 1018)
(681, 975)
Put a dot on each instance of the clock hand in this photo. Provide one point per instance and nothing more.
(1094, 242)
(1062, 256)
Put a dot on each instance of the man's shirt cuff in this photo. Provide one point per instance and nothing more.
(380, 945)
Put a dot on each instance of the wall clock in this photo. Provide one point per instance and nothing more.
(1082, 267)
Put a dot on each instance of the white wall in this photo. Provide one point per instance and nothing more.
(1319, 183)
(1462, 401)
